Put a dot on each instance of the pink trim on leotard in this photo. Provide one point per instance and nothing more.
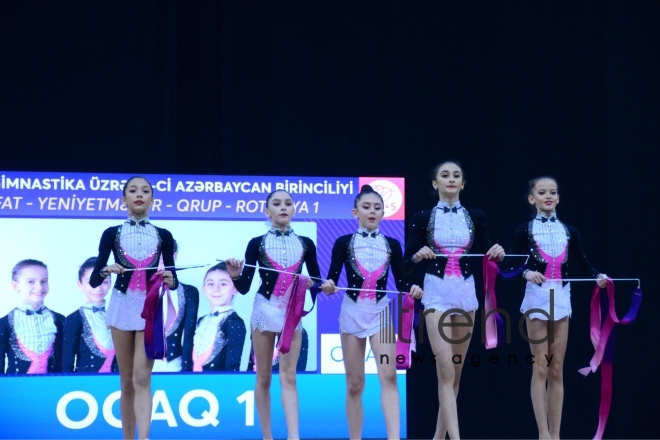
(139, 277)
(284, 278)
(370, 279)
(453, 267)
(553, 269)
(198, 360)
(109, 354)
(38, 362)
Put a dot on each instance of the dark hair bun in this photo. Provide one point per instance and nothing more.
(366, 188)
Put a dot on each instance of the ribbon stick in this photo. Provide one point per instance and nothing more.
(368, 290)
(193, 266)
(483, 255)
(274, 270)
(405, 343)
(601, 329)
(639, 283)
(154, 328)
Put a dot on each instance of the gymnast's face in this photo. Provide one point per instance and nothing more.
(138, 197)
(369, 211)
(280, 209)
(544, 196)
(32, 285)
(449, 180)
(219, 288)
(93, 295)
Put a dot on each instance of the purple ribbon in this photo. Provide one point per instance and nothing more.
(155, 341)
(601, 330)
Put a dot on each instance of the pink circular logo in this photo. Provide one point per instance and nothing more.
(391, 194)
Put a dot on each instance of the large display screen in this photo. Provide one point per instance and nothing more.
(58, 219)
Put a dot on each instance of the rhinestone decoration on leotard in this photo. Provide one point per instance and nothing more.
(450, 233)
(451, 236)
(457, 220)
(209, 336)
(550, 246)
(372, 253)
(288, 251)
(369, 258)
(35, 332)
(552, 237)
(94, 328)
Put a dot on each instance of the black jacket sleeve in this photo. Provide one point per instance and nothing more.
(339, 257)
(192, 307)
(167, 251)
(105, 247)
(310, 259)
(71, 343)
(396, 264)
(577, 251)
(234, 330)
(481, 232)
(55, 365)
(5, 332)
(416, 239)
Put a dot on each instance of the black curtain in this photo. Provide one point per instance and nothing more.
(512, 89)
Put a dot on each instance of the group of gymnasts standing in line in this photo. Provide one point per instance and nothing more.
(436, 239)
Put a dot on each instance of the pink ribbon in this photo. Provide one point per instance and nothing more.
(492, 327)
(294, 311)
(490, 271)
(600, 333)
(405, 343)
(155, 341)
(294, 285)
(109, 354)
(38, 362)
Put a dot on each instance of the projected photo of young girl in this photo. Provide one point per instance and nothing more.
(31, 333)
(88, 344)
(220, 335)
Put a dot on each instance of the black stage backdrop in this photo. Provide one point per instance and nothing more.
(512, 89)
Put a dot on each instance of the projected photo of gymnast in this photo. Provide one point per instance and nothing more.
(88, 344)
(220, 335)
(31, 333)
